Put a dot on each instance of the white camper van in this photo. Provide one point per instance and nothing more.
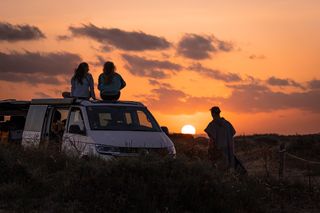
(83, 128)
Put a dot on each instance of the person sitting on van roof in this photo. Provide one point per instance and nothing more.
(82, 85)
(110, 82)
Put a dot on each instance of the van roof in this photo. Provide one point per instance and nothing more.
(115, 103)
(74, 101)
(14, 107)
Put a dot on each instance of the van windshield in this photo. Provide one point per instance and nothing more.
(122, 118)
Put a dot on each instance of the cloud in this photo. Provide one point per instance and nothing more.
(100, 60)
(42, 95)
(106, 48)
(254, 56)
(200, 47)
(274, 81)
(245, 98)
(215, 74)
(14, 33)
(124, 40)
(314, 84)
(35, 67)
(259, 98)
(143, 67)
(30, 78)
(223, 45)
(63, 38)
(158, 83)
(168, 100)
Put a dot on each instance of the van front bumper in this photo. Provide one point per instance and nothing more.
(134, 152)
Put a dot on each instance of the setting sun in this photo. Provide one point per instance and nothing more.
(188, 129)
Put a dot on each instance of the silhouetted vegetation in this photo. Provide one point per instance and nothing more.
(39, 181)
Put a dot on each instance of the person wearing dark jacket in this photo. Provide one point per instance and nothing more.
(221, 148)
(110, 82)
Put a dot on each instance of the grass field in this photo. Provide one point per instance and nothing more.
(38, 181)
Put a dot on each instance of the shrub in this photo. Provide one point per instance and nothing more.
(33, 180)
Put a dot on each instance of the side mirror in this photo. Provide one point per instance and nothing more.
(165, 130)
(75, 129)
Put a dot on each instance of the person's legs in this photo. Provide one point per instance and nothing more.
(222, 161)
(117, 96)
(216, 156)
(211, 155)
(83, 98)
(230, 154)
(110, 97)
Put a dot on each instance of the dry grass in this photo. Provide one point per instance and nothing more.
(38, 181)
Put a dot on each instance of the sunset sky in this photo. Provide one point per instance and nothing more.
(258, 60)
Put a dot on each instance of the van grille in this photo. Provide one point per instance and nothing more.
(129, 151)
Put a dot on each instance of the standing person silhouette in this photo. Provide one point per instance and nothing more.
(110, 82)
(220, 132)
(82, 85)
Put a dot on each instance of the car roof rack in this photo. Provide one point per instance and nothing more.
(14, 107)
(85, 102)
(13, 101)
(53, 101)
(69, 101)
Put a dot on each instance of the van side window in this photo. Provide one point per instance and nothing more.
(128, 118)
(104, 119)
(35, 118)
(75, 118)
(143, 119)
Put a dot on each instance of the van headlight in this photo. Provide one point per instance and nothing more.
(171, 150)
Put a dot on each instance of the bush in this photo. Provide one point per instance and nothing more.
(33, 180)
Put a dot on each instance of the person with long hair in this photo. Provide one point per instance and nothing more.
(110, 82)
(82, 85)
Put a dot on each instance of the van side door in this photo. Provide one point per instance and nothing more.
(54, 128)
(75, 140)
(35, 122)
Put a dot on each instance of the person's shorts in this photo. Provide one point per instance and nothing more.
(110, 97)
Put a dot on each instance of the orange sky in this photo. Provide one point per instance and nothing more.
(258, 60)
